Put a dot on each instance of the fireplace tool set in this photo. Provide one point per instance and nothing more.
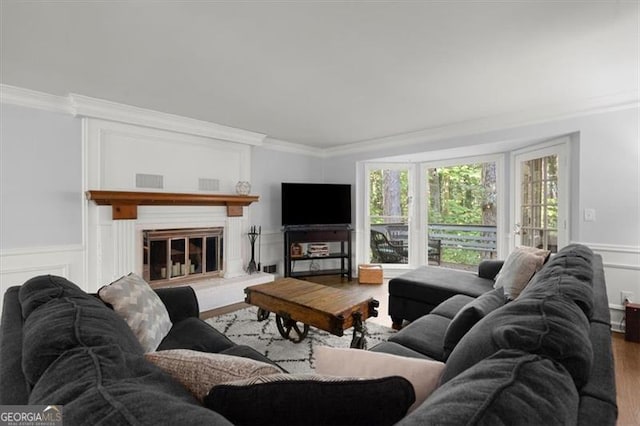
(255, 233)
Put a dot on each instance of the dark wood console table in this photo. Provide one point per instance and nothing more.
(320, 234)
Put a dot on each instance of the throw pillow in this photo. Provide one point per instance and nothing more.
(285, 399)
(423, 374)
(135, 301)
(200, 371)
(469, 315)
(509, 388)
(518, 269)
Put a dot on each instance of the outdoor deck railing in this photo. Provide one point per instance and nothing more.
(467, 237)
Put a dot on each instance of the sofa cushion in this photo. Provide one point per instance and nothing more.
(518, 269)
(200, 371)
(65, 323)
(569, 274)
(434, 285)
(450, 307)
(508, 388)
(106, 385)
(423, 374)
(285, 399)
(469, 315)
(41, 289)
(424, 335)
(554, 327)
(195, 334)
(140, 306)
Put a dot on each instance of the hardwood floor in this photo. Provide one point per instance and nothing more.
(626, 354)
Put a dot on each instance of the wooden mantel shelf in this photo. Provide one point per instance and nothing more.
(125, 203)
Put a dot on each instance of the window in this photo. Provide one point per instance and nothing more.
(461, 205)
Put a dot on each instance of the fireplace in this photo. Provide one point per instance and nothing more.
(181, 255)
(210, 252)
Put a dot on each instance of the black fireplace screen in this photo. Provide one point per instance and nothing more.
(175, 254)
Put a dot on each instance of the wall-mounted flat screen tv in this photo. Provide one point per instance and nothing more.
(316, 204)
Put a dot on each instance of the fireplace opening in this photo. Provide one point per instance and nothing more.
(173, 255)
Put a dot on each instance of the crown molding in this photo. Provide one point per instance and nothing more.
(84, 106)
(549, 113)
(19, 96)
(293, 148)
(98, 108)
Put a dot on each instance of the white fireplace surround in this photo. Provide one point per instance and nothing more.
(115, 153)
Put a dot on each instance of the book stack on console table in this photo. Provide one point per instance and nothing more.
(318, 250)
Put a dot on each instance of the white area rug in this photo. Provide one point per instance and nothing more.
(242, 327)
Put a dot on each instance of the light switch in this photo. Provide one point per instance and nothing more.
(589, 215)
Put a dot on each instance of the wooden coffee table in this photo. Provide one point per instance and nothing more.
(327, 308)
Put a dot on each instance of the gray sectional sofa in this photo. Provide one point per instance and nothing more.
(543, 358)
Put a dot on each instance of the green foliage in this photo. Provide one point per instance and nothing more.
(460, 197)
(460, 256)
(377, 195)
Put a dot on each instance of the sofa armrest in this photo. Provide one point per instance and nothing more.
(489, 268)
(181, 302)
(14, 389)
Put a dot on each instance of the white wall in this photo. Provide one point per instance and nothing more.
(271, 167)
(41, 195)
(40, 178)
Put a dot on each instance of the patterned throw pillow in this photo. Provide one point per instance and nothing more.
(200, 371)
(135, 301)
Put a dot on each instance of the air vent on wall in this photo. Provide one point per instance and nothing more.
(149, 181)
(205, 184)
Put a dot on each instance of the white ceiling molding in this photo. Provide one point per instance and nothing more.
(98, 108)
(550, 113)
(293, 148)
(85, 106)
(13, 95)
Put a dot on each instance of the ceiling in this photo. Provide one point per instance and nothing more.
(325, 73)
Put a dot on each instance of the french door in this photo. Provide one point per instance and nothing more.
(541, 197)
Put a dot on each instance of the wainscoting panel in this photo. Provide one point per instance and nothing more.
(19, 265)
(622, 273)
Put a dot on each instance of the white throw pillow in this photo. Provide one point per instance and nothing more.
(141, 307)
(518, 269)
(200, 371)
(423, 374)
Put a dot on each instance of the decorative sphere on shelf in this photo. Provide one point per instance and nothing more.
(243, 187)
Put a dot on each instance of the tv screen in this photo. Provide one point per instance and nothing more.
(316, 204)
